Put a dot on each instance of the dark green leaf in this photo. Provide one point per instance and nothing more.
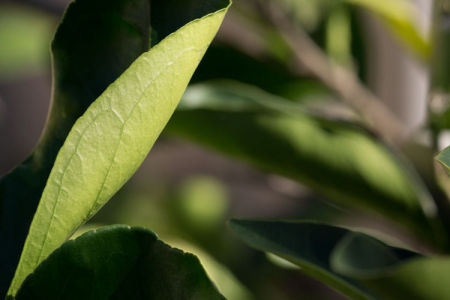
(333, 255)
(118, 262)
(361, 255)
(220, 63)
(337, 159)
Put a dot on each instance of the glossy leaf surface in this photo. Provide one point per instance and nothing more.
(119, 262)
(109, 142)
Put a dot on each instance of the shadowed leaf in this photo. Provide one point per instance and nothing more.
(353, 263)
(118, 262)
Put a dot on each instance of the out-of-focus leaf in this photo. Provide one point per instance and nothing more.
(220, 63)
(25, 35)
(118, 262)
(226, 282)
(337, 159)
(401, 17)
(417, 279)
(378, 269)
(110, 141)
(353, 263)
(360, 255)
(227, 95)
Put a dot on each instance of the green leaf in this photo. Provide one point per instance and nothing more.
(220, 63)
(361, 255)
(109, 142)
(338, 160)
(86, 59)
(329, 254)
(417, 279)
(118, 262)
(444, 158)
(226, 282)
(379, 269)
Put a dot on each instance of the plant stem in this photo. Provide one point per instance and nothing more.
(345, 83)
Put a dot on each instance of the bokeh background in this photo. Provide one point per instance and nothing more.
(184, 192)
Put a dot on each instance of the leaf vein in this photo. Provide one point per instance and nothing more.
(78, 142)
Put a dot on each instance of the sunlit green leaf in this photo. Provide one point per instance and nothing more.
(109, 142)
(86, 59)
(118, 262)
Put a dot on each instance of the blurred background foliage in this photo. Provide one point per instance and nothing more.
(279, 122)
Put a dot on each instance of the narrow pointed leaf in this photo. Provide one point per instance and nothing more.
(118, 262)
(312, 246)
(109, 142)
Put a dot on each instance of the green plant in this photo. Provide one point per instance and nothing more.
(135, 64)
(116, 84)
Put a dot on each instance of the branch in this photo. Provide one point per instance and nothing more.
(345, 83)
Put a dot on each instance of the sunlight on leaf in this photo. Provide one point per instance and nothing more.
(110, 141)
